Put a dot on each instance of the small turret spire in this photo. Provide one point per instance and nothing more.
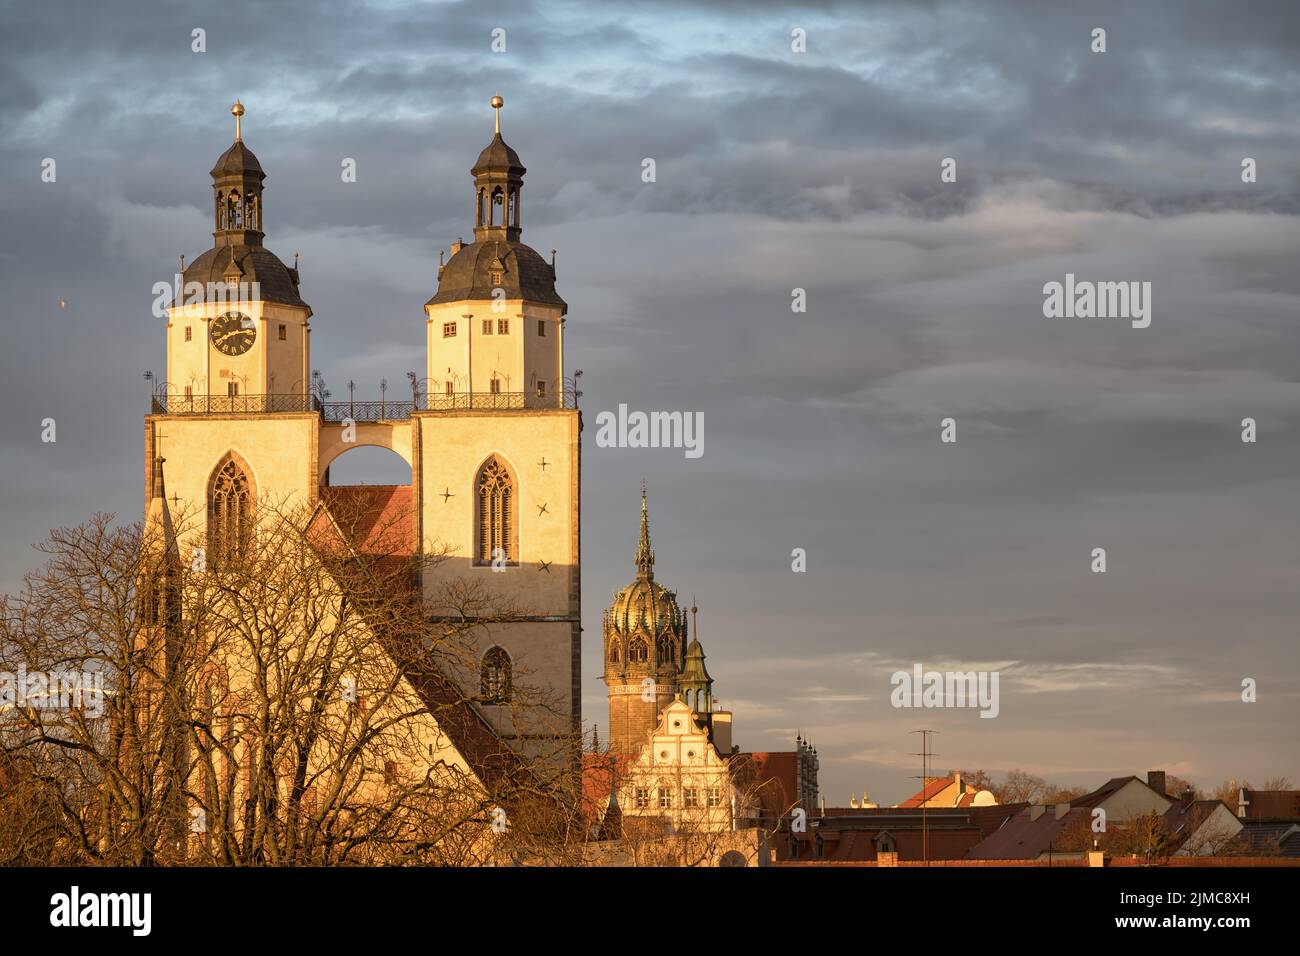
(238, 112)
(645, 557)
(497, 103)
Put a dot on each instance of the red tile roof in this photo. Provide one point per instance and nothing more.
(601, 775)
(770, 777)
(379, 520)
(1022, 837)
(1272, 804)
(375, 519)
(928, 792)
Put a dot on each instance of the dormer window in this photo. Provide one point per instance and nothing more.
(496, 280)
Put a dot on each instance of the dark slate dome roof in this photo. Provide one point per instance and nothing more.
(238, 159)
(524, 274)
(277, 282)
(498, 156)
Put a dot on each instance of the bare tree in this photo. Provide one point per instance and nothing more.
(1177, 788)
(285, 702)
(1020, 786)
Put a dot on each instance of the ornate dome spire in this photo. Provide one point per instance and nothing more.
(645, 557)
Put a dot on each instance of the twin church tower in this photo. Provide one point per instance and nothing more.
(491, 432)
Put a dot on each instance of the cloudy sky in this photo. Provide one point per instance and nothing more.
(775, 170)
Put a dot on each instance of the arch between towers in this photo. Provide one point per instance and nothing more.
(395, 436)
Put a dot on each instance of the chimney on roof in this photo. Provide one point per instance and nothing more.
(1188, 797)
(1036, 811)
(1062, 809)
(1156, 781)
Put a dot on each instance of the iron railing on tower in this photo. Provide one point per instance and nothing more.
(169, 403)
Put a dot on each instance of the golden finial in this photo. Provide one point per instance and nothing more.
(497, 103)
(237, 111)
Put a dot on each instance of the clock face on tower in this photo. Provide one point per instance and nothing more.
(233, 333)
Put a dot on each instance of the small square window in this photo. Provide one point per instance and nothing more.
(665, 798)
(503, 326)
(451, 388)
(541, 327)
(495, 385)
(688, 797)
(487, 326)
(232, 389)
(642, 798)
(496, 280)
(715, 797)
(541, 389)
(189, 333)
(189, 393)
(284, 333)
(449, 330)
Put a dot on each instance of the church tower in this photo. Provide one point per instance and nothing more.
(491, 433)
(644, 643)
(233, 418)
(496, 444)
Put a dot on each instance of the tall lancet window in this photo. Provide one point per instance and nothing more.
(667, 648)
(496, 518)
(496, 680)
(230, 514)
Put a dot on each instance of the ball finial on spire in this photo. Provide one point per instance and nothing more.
(237, 111)
(497, 103)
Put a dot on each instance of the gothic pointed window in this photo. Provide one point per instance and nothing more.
(496, 518)
(667, 649)
(638, 652)
(495, 676)
(613, 652)
(230, 514)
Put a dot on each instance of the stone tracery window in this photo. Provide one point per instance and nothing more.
(496, 677)
(230, 514)
(496, 518)
(638, 652)
(667, 649)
